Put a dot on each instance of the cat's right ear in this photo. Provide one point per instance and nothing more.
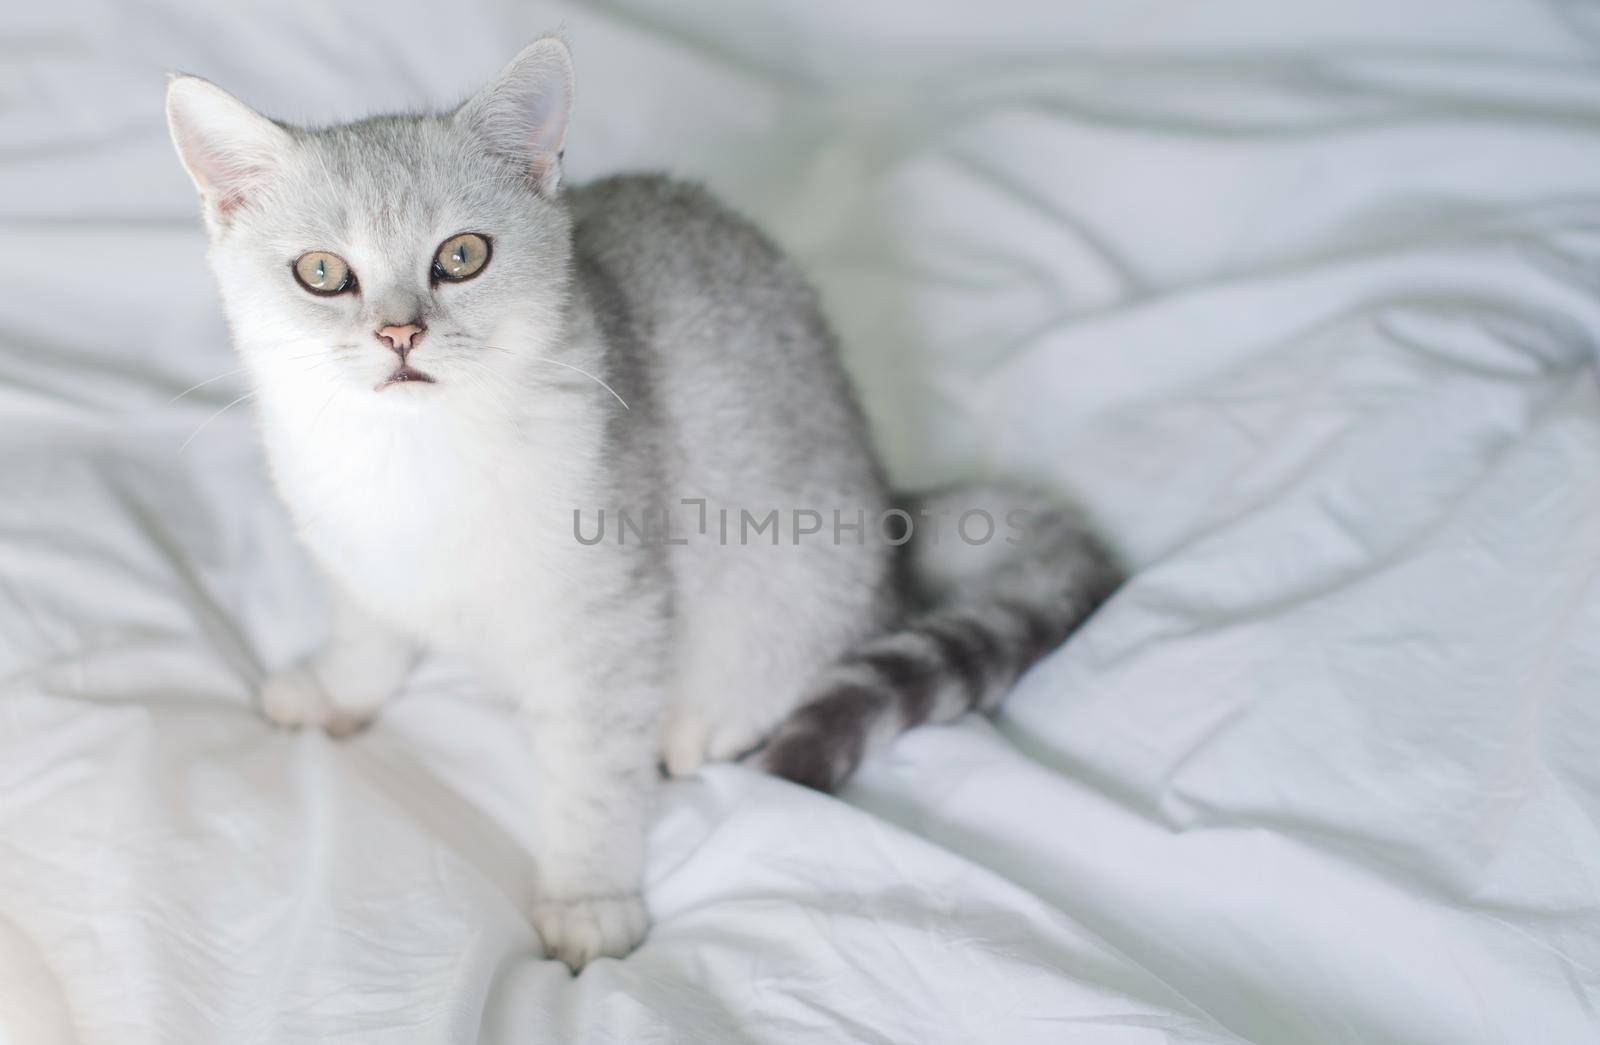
(227, 147)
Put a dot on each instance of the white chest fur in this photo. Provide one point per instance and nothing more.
(445, 528)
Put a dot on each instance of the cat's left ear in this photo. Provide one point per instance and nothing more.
(228, 148)
(522, 115)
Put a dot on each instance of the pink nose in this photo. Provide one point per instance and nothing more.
(399, 338)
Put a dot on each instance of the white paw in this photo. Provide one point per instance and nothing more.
(688, 741)
(683, 743)
(581, 929)
(295, 698)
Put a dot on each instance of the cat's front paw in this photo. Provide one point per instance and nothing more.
(689, 739)
(581, 929)
(295, 698)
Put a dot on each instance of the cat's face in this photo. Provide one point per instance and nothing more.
(418, 262)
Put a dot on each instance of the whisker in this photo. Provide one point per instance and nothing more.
(322, 410)
(202, 384)
(585, 373)
(320, 353)
(206, 423)
(569, 366)
(499, 397)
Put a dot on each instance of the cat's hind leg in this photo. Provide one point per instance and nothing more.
(751, 639)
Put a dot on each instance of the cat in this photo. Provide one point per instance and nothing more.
(460, 364)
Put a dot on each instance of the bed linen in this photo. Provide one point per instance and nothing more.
(1299, 299)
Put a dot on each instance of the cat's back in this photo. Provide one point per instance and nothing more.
(728, 332)
(703, 284)
(668, 240)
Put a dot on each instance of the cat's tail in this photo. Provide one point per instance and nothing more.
(985, 606)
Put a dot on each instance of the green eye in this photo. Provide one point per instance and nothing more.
(461, 257)
(323, 273)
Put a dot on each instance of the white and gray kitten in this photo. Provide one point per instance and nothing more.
(452, 352)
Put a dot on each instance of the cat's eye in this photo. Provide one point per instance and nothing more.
(323, 273)
(461, 257)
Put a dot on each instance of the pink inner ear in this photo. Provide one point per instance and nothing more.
(233, 197)
(523, 115)
(227, 148)
(227, 174)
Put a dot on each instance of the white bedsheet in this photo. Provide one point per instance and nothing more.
(1301, 299)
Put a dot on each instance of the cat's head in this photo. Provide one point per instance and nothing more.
(410, 260)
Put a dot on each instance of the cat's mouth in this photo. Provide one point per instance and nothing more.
(405, 375)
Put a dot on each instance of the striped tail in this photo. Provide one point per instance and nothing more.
(980, 616)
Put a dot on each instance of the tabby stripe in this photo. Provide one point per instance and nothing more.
(914, 680)
(943, 663)
(967, 649)
(1038, 630)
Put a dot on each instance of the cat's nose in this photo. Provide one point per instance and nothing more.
(399, 338)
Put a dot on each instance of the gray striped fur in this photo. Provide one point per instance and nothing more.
(975, 623)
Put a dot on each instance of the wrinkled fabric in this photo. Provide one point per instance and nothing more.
(1299, 298)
